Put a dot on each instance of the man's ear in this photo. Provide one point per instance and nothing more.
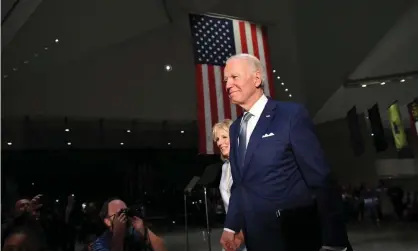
(257, 79)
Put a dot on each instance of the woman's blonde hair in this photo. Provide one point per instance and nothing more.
(222, 125)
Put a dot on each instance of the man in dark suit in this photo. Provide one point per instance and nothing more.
(282, 197)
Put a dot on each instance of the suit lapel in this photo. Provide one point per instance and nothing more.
(262, 125)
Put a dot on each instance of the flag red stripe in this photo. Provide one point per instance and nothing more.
(244, 45)
(268, 63)
(227, 104)
(244, 49)
(212, 94)
(200, 109)
(254, 39)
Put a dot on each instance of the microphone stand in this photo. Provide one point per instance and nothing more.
(209, 179)
(207, 219)
(187, 192)
(185, 222)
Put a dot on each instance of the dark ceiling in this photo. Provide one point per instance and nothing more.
(110, 57)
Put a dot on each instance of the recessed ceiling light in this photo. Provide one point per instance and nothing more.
(274, 71)
(363, 85)
(57, 40)
(282, 83)
(286, 90)
(181, 131)
(278, 77)
(67, 129)
(36, 54)
(168, 67)
(168, 143)
(383, 83)
(372, 134)
(9, 143)
(290, 95)
(69, 143)
(128, 131)
(402, 80)
(26, 61)
(57, 200)
(14, 69)
(33, 183)
(46, 48)
(121, 143)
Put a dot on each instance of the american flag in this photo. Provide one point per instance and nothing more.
(215, 39)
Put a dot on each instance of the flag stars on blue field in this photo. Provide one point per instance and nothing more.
(213, 40)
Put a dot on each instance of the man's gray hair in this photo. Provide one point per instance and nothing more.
(254, 62)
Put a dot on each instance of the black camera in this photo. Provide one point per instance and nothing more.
(131, 212)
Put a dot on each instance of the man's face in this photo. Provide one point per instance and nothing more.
(114, 207)
(22, 206)
(241, 80)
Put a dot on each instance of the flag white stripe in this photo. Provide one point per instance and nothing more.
(208, 114)
(248, 37)
(237, 36)
(219, 93)
(261, 52)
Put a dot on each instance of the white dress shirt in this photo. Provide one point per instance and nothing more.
(226, 184)
(256, 110)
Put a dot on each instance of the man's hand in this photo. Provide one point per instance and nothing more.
(239, 239)
(35, 204)
(119, 229)
(138, 225)
(119, 224)
(228, 241)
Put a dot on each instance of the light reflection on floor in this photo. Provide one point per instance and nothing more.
(388, 237)
(393, 237)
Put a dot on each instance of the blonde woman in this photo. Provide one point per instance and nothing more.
(220, 133)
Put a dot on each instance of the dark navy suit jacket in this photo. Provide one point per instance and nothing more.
(284, 171)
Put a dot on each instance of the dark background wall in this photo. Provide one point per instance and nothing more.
(348, 167)
(101, 173)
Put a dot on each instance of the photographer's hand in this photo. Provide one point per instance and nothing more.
(138, 225)
(35, 203)
(118, 228)
(34, 206)
(155, 242)
(119, 224)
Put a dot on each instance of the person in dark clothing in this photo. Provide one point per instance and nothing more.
(371, 205)
(23, 238)
(23, 221)
(359, 202)
(396, 195)
(91, 222)
(26, 213)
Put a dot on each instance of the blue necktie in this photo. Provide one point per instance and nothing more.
(242, 144)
